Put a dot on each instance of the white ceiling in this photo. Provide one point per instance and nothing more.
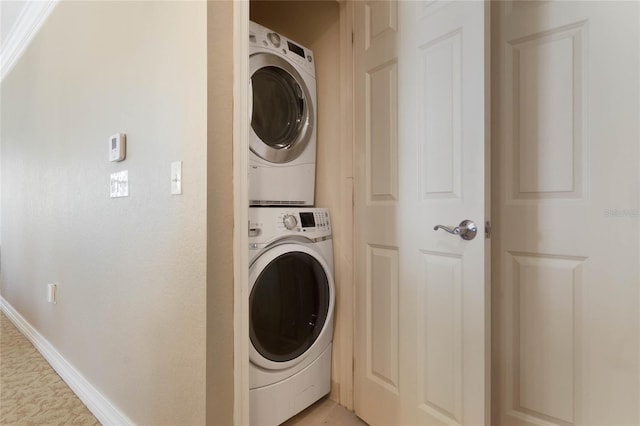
(9, 12)
(20, 20)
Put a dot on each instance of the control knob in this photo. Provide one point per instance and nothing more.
(290, 221)
(274, 39)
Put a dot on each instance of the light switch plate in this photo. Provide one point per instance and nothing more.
(52, 290)
(176, 177)
(120, 184)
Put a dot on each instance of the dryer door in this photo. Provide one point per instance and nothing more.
(282, 117)
(290, 305)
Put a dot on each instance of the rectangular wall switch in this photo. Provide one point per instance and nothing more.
(51, 293)
(119, 184)
(176, 177)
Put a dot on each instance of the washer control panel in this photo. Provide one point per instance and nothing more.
(268, 223)
(306, 221)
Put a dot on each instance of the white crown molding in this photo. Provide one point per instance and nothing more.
(97, 403)
(31, 18)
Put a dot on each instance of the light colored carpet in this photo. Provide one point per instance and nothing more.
(31, 393)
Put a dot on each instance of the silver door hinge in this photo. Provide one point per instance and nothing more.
(487, 229)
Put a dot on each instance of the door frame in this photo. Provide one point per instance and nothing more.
(345, 301)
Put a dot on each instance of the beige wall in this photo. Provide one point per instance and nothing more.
(132, 272)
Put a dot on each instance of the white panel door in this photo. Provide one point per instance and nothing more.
(566, 114)
(421, 350)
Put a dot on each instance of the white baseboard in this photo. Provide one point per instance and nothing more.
(97, 403)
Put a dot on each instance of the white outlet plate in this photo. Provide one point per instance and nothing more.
(119, 186)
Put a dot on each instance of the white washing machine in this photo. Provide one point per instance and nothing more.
(291, 307)
(282, 137)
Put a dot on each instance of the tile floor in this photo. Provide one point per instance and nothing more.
(325, 412)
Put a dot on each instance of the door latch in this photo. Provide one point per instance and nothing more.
(467, 230)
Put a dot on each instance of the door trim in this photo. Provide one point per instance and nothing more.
(488, 284)
(343, 350)
(241, 212)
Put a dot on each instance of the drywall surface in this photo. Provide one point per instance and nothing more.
(131, 272)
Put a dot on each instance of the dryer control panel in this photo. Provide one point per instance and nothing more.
(268, 40)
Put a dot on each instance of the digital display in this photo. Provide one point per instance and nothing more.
(296, 49)
(307, 220)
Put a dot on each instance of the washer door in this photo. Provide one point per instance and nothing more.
(282, 116)
(290, 305)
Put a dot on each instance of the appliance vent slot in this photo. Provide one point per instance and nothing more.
(276, 203)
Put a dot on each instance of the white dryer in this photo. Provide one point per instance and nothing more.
(282, 137)
(291, 307)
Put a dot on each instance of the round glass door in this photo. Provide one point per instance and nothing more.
(281, 110)
(288, 306)
(278, 107)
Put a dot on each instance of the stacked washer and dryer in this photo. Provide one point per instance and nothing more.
(291, 286)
